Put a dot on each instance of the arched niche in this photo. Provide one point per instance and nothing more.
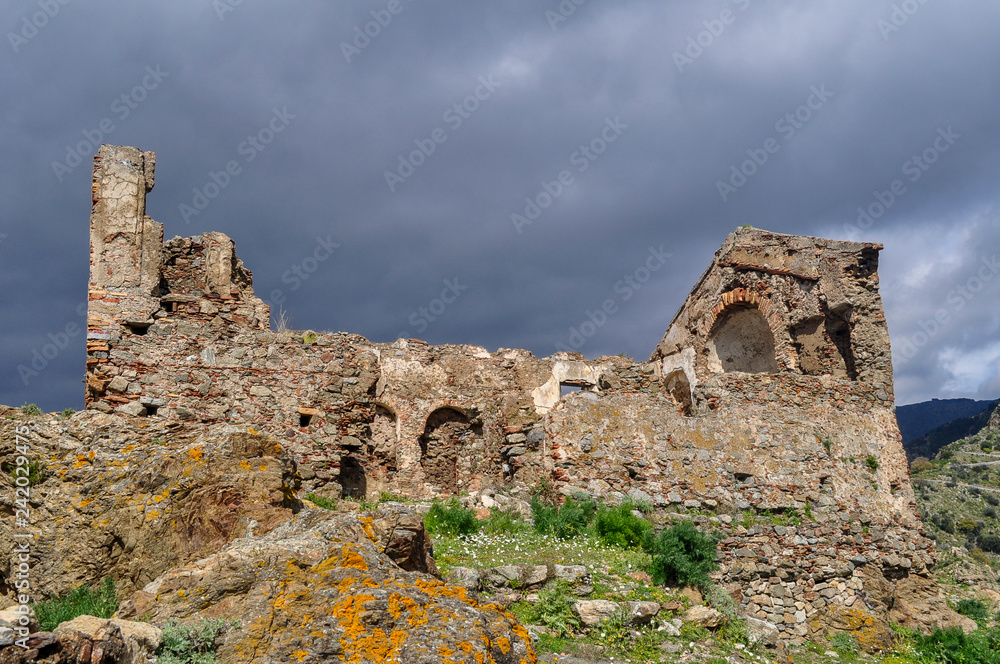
(741, 340)
(678, 388)
(446, 432)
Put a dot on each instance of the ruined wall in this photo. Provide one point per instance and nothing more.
(772, 302)
(771, 393)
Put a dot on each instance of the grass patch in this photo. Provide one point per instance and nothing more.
(567, 521)
(451, 518)
(973, 608)
(493, 549)
(953, 646)
(81, 601)
(504, 521)
(322, 501)
(31, 409)
(553, 610)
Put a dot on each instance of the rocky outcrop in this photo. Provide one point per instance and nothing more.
(130, 499)
(197, 521)
(321, 587)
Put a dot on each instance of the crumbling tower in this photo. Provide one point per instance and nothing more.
(136, 281)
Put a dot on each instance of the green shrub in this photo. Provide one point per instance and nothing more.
(682, 555)
(843, 643)
(967, 525)
(566, 522)
(31, 409)
(67, 413)
(81, 601)
(990, 542)
(871, 462)
(191, 644)
(991, 499)
(953, 646)
(504, 521)
(322, 501)
(973, 608)
(36, 471)
(554, 609)
(451, 518)
(618, 526)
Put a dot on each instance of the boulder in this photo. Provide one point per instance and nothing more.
(914, 601)
(572, 574)
(141, 639)
(642, 613)
(168, 494)
(872, 634)
(401, 533)
(13, 617)
(594, 611)
(703, 616)
(761, 632)
(464, 577)
(321, 584)
(505, 576)
(534, 575)
(107, 646)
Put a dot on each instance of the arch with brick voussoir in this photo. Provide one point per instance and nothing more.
(745, 331)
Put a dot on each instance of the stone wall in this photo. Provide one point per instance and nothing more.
(770, 397)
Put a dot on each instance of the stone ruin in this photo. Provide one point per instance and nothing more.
(770, 393)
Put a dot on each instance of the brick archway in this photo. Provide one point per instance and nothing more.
(745, 331)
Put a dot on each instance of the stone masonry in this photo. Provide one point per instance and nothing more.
(770, 393)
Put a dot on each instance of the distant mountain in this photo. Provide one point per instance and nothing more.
(932, 441)
(917, 419)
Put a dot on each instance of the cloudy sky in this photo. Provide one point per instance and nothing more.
(523, 159)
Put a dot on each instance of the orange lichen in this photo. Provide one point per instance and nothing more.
(440, 589)
(352, 559)
(400, 605)
(366, 524)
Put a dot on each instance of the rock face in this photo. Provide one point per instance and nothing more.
(319, 588)
(129, 502)
(204, 522)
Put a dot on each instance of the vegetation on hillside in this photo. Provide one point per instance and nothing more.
(100, 602)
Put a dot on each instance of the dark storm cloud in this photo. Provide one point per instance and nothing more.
(835, 97)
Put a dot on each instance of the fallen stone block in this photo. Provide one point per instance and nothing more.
(594, 611)
(703, 616)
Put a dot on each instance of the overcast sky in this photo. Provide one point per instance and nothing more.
(397, 138)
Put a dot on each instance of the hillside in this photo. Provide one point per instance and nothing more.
(928, 444)
(917, 419)
(958, 495)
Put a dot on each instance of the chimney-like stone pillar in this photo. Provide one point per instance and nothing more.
(125, 244)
